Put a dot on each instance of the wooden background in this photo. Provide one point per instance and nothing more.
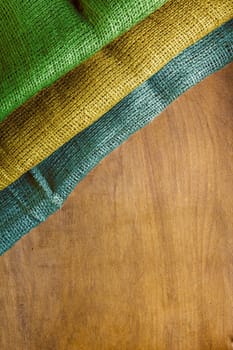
(140, 257)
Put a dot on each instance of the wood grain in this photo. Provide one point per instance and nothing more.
(140, 257)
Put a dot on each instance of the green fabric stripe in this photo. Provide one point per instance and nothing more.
(42, 40)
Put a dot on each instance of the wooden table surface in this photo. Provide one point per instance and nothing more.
(140, 257)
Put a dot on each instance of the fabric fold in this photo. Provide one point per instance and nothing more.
(54, 116)
(42, 40)
(40, 192)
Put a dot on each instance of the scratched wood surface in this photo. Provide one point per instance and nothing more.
(140, 257)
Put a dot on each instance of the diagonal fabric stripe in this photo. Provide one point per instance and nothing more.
(53, 117)
(42, 40)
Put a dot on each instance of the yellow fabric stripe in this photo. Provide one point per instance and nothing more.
(56, 114)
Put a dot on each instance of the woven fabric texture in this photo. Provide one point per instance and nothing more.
(42, 40)
(86, 93)
(40, 192)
